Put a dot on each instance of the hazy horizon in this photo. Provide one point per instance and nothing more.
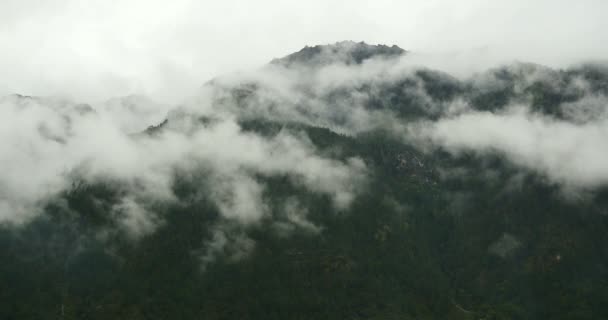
(101, 49)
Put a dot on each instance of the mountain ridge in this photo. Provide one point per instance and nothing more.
(347, 52)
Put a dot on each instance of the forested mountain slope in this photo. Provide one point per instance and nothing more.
(339, 182)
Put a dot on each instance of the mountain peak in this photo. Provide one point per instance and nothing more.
(347, 52)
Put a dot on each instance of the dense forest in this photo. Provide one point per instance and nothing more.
(421, 232)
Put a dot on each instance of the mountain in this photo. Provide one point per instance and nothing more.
(347, 52)
(323, 187)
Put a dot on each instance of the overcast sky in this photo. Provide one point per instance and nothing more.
(93, 50)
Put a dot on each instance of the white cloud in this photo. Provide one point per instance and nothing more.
(46, 144)
(101, 49)
(567, 153)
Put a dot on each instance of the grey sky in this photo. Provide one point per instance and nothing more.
(93, 50)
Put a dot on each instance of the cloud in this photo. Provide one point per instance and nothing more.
(345, 98)
(49, 144)
(226, 242)
(134, 218)
(295, 218)
(567, 153)
(104, 49)
(133, 114)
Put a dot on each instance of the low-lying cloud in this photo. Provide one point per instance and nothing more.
(566, 153)
(47, 145)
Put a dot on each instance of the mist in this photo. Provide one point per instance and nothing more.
(95, 51)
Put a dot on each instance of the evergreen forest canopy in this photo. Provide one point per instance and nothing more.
(339, 182)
